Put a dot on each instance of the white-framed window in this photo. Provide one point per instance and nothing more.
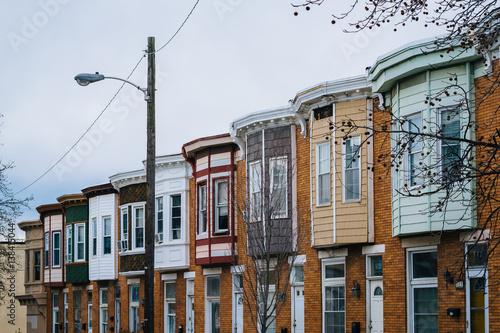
(56, 249)
(323, 173)
(278, 186)
(298, 274)
(255, 183)
(351, 170)
(103, 305)
(422, 290)
(89, 311)
(94, 236)
(55, 313)
(77, 306)
(450, 151)
(212, 305)
(36, 266)
(46, 247)
(69, 243)
(118, 309)
(170, 307)
(477, 303)
(202, 208)
(159, 215)
(80, 241)
(414, 154)
(134, 309)
(333, 276)
(175, 217)
(66, 314)
(138, 218)
(124, 225)
(106, 235)
(374, 267)
(221, 205)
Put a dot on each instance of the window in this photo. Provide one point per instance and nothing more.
(80, 242)
(36, 267)
(124, 228)
(423, 304)
(374, 267)
(66, 316)
(298, 273)
(170, 306)
(175, 217)
(118, 309)
(55, 313)
(106, 235)
(278, 189)
(138, 227)
(351, 169)
(69, 243)
(221, 210)
(103, 301)
(77, 304)
(450, 149)
(213, 303)
(94, 236)
(202, 208)
(334, 296)
(323, 173)
(255, 191)
(28, 266)
(159, 215)
(89, 312)
(134, 309)
(414, 125)
(46, 258)
(56, 249)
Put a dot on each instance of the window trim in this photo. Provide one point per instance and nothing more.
(272, 162)
(69, 244)
(199, 210)
(181, 217)
(134, 226)
(217, 229)
(318, 174)
(104, 236)
(429, 282)
(358, 138)
(54, 249)
(77, 226)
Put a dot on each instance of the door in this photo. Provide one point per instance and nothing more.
(376, 306)
(190, 315)
(238, 324)
(298, 310)
(477, 301)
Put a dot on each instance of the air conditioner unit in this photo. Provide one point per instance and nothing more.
(124, 245)
(68, 258)
(119, 245)
(159, 238)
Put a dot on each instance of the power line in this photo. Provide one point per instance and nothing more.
(84, 133)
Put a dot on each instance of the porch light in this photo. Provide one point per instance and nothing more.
(356, 289)
(447, 277)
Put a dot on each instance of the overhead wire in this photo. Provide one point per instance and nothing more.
(109, 103)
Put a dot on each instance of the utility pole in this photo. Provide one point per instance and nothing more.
(149, 256)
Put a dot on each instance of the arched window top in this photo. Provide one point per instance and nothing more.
(378, 292)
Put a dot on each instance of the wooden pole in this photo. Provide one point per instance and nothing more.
(149, 260)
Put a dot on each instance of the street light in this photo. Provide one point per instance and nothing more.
(149, 248)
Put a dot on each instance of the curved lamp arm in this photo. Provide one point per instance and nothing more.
(85, 79)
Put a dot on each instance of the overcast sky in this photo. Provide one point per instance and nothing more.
(232, 57)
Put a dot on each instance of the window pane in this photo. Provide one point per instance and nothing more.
(334, 271)
(335, 309)
(169, 290)
(215, 316)
(376, 266)
(477, 255)
(159, 215)
(213, 286)
(37, 265)
(299, 273)
(425, 310)
(424, 265)
(135, 293)
(324, 188)
(104, 296)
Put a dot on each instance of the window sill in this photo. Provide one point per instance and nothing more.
(132, 252)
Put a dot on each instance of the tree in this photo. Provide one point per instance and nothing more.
(273, 235)
(10, 210)
(453, 157)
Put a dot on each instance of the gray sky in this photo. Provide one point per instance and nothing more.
(231, 58)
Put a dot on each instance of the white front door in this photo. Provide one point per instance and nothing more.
(298, 310)
(190, 314)
(238, 323)
(376, 306)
